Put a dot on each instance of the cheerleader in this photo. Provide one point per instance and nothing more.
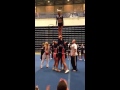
(65, 47)
(55, 66)
(61, 54)
(46, 55)
(59, 21)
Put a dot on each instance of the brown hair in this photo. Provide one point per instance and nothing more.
(62, 85)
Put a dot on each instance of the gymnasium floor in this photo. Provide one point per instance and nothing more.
(46, 76)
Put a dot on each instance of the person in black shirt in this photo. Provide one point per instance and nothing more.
(59, 21)
(82, 52)
(78, 51)
(60, 47)
(42, 50)
(60, 40)
(65, 46)
(69, 51)
(52, 47)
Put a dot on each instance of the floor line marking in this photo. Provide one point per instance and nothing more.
(69, 76)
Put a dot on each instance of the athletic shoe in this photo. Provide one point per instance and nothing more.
(66, 71)
(57, 70)
(41, 67)
(53, 68)
(47, 65)
(74, 70)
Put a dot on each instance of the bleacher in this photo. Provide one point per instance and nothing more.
(50, 33)
(65, 15)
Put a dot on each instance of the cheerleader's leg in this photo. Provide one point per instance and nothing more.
(47, 61)
(42, 61)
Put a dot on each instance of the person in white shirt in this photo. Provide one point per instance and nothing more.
(74, 55)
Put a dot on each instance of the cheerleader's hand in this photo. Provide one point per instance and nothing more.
(48, 87)
(36, 87)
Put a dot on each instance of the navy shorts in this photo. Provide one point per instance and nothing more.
(60, 24)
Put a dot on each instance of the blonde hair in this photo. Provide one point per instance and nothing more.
(46, 45)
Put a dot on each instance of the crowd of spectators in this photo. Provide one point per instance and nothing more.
(62, 85)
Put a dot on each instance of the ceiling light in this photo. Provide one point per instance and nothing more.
(48, 1)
